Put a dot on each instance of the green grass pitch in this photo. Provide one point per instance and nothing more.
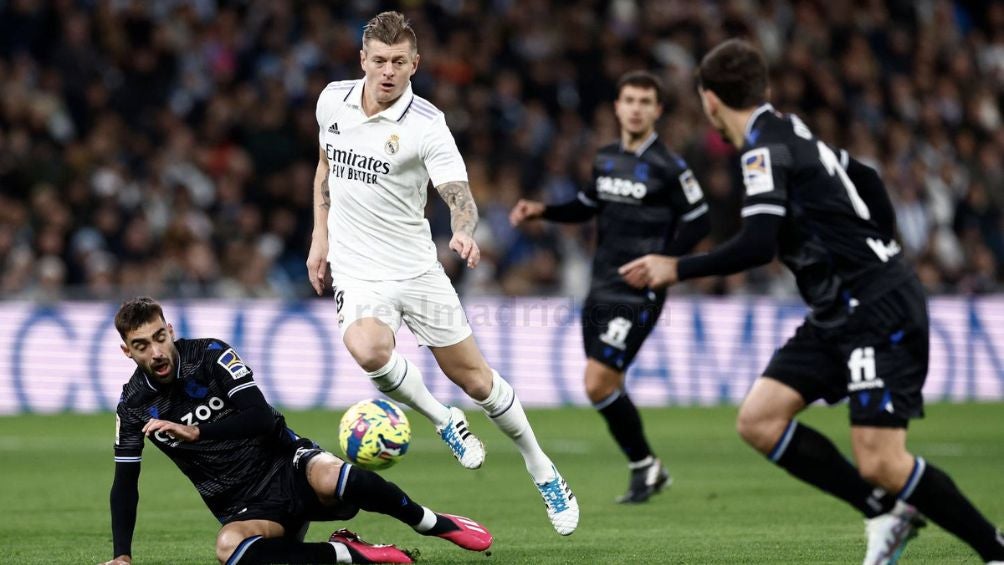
(727, 504)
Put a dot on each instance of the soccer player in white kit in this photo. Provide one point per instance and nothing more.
(380, 145)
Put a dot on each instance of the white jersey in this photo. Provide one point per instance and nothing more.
(379, 171)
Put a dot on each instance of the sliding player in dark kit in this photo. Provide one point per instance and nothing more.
(197, 401)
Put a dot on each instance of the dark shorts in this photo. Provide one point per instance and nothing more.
(877, 358)
(288, 497)
(612, 333)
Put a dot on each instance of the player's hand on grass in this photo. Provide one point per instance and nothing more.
(172, 429)
(317, 265)
(464, 245)
(525, 210)
(650, 271)
(120, 560)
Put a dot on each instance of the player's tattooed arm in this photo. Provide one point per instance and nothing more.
(325, 195)
(463, 220)
(317, 257)
(463, 210)
(322, 193)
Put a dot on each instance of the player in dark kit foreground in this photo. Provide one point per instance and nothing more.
(866, 336)
(647, 201)
(196, 400)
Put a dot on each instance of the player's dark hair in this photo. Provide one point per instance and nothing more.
(136, 312)
(642, 79)
(390, 28)
(736, 72)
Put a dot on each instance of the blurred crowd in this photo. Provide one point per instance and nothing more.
(168, 147)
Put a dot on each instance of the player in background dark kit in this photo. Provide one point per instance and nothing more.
(647, 201)
(197, 401)
(866, 336)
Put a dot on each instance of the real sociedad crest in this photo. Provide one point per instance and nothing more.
(392, 145)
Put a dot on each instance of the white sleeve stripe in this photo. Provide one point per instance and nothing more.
(764, 209)
(240, 388)
(136, 459)
(844, 159)
(426, 105)
(586, 200)
(695, 213)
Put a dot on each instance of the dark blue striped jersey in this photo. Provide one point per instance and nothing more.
(210, 372)
(829, 236)
(641, 198)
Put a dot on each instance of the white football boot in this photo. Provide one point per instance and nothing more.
(562, 507)
(466, 446)
(889, 533)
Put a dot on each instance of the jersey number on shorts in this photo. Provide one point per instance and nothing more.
(861, 364)
(617, 332)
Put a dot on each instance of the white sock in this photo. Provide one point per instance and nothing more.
(429, 520)
(341, 552)
(505, 411)
(402, 381)
(641, 464)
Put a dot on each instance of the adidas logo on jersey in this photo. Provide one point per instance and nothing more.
(334, 129)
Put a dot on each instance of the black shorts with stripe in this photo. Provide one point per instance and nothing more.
(877, 358)
(287, 498)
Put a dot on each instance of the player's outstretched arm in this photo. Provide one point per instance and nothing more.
(688, 235)
(317, 258)
(526, 210)
(573, 212)
(463, 219)
(650, 271)
(124, 500)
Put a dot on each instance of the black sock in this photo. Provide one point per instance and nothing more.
(369, 491)
(811, 457)
(258, 550)
(625, 425)
(934, 493)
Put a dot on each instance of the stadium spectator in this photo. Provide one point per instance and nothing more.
(125, 105)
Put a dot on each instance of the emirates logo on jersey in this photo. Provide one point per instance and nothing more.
(350, 165)
(392, 145)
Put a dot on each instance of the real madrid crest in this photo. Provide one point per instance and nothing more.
(392, 145)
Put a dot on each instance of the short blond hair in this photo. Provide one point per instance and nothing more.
(390, 28)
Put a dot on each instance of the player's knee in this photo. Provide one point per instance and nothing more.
(756, 430)
(370, 344)
(371, 356)
(886, 468)
(874, 469)
(476, 382)
(226, 543)
(598, 389)
(323, 473)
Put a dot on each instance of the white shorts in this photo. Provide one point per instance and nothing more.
(428, 304)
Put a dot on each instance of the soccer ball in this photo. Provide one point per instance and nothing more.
(374, 434)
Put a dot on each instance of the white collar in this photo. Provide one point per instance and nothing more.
(394, 112)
